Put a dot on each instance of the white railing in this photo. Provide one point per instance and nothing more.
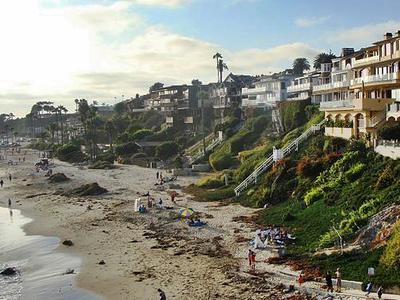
(375, 78)
(299, 87)
(252, 178)
(271, 101)
(336, 104)
(322, 87)
(255, 90)
(367, 60)
(332, 85)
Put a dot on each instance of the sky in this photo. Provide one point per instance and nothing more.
(109, 50)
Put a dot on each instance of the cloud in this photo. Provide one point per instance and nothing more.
(363, 35)
(161, 3)
(68, 56)
(311, 21)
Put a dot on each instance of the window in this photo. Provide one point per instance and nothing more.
(283, 85)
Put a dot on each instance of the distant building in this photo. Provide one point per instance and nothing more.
(228, 94)
(267, 91)
(301, 87)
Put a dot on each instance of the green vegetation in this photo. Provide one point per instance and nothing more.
(167, 150)
(328, 187)
(70, 153)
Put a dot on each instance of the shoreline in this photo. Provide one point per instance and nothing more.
(41, 265)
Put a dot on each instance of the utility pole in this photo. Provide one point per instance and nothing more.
(202, 124)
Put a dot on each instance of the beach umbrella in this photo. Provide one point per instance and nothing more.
(186, 212)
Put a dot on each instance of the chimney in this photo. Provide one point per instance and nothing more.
(347, 51)
(388, 35)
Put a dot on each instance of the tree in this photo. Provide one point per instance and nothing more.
(156, 86)
(300, 65)
(166, 150)
(52, 128)
(110, 129)
(120, 108)
(217, 56)
(196, 82)
(221, 67)
(323, 58)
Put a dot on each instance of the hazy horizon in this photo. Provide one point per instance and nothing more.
(60, 50)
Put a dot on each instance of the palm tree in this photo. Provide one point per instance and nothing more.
(323, 58)
(52, 128)
(221, 67)
(109, 127)
(217, 56)
(300, 65)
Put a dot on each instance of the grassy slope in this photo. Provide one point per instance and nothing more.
(352, 186)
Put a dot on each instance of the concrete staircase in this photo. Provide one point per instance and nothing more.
(277, 154)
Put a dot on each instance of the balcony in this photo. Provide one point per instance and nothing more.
(335, 105)
(331, 86)
(372, 104)
(259, 103)
(378, 78)
(255, 91)
(299, 87)
(365, 61)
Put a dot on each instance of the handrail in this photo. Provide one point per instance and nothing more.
(252, 178)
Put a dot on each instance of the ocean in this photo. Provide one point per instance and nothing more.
(41, 266)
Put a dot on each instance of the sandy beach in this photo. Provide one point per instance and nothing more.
(141, 252)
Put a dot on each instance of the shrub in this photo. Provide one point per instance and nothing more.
(385, 179)
(222, 161)
(210, 182)
(313, 195)
(355, 171)
(126, 149)
(140, 134)
(390, 132)
(166, 150)
(106, 156)
(391, 255)
(70, 153)
(259, 124)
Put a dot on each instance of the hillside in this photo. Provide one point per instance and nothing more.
(329, 188)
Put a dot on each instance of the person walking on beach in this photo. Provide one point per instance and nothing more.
(329, 284)
(369, 289)
(1, 182)
(300, 278)
(157, 175)
(162, 294)
(338, 280)
(9, 176)
(380, 292)
(9, 202)
(252, 260)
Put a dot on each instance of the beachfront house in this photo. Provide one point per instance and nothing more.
(362, 92)
(267, 91)
(301, 87)
(227, 95)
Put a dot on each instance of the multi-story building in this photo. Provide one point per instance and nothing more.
(267, 91)
(228, 94)
(362, 93)
(301, 87)
(179, 104)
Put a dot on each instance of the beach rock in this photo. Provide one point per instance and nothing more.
(68, 243)
(69, 271)
(102, 262)
(58, 177)
(91, 189)
(9, 271)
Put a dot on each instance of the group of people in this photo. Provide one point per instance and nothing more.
(161, 179)
(2, 181)
(276, 236)
(338, 276)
